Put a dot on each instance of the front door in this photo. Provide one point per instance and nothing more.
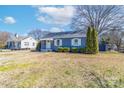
(48, 44)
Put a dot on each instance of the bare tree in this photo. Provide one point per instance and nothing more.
(115, 37)
(4, 36)
(102, 17)
(37, 33)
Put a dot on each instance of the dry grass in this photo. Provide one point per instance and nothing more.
(33, 69)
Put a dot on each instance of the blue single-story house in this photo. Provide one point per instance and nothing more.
(52, 41)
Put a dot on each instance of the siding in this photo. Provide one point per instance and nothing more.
(66, 42)
(30, 41)
(14, 45)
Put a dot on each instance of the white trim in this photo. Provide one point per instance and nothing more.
(78, 42)
(60, 42)
(69, 37)
(46, 39)
(48, 44)
(63, 37)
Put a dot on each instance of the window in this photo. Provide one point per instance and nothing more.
(58, 42)
(33, 44)
(48, 41)
(76, 42)
(26, 43)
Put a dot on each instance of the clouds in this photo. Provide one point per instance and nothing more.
(56, 29)
(55, 15)
(9, 20)
(44, 19)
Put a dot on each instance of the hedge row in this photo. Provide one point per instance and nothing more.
(73, 50)
(63, 49)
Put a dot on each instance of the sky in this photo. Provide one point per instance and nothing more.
(22, 19)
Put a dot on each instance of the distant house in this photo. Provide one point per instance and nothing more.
(20, 42)
(52, 41)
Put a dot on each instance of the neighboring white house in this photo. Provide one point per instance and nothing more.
(19, 42)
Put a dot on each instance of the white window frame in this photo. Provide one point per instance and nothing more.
(60, 42)
(26, 43)
(73, 42)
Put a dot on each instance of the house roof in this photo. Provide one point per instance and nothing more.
(17, 39)
(69, 34)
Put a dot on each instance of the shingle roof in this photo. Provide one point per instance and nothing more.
(16, 39)
(69, 34)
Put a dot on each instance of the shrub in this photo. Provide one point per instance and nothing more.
(92, 46)
(2, 46)
(82, 50)
(89, 40)
(38, 46)
(95, 41)
(66, 49)
(103, 41)
(75, 50)
(63, 49)
(60, 49)
(33, 50)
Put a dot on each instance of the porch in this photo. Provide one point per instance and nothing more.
(46, 44)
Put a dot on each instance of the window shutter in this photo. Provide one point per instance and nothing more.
(60, 41)
(55, 42)
(72, 42)
(79, 42)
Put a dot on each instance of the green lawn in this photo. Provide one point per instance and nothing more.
(36, 69)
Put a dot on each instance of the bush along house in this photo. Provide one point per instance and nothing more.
(67, 40)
